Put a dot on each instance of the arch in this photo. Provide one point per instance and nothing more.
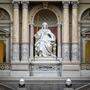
(85, 36)
(32, 14)
(38, 8)
(85, 17)
(8, 11)
(82, 11)
(4, 15)
(47, 16)
(86, 11)
(4, 35)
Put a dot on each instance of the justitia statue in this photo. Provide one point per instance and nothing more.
(45, 42)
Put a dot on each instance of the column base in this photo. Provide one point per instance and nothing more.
(75, 51)
(65, 51)
(15, 56)
(20, 69)
(25, 52)
(70, 69)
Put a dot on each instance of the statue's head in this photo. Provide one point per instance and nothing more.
(44, 25)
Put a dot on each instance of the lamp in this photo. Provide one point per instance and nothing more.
(68, 83)
(21, 83)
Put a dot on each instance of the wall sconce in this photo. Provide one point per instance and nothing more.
(68, 83)
(21, 83)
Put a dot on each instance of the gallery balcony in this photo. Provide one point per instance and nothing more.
(5, 69)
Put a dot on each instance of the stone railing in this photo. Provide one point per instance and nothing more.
(4, 66)
(85, 66)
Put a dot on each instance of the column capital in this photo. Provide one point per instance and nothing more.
(74, 4)
(66, 4)
(25, 4)
(16, 5)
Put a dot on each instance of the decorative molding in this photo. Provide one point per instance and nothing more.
(45, 0)
(4, 66)
(45, 5)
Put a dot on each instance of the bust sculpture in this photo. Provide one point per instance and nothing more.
(44, 42)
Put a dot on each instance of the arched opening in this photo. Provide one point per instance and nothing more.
(46, 15)
(85, 36)
(4, 36)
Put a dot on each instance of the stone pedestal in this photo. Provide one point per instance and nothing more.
(20, 69)
(70, 69)
(45, 67)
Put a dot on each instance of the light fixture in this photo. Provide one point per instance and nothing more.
(21, 83)
(68, 82)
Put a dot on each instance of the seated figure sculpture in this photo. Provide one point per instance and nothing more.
(44, 42)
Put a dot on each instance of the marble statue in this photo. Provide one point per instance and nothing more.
(44, 42)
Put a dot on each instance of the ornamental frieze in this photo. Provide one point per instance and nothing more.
(45, 0)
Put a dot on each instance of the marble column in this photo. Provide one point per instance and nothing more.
(25, 32)
(15, 33)
(31, 40)
(75, 38)
(59, 40)
(65, 32)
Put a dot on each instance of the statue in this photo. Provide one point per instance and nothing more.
(44, 42)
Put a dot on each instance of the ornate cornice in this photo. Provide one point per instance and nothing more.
(45, 0)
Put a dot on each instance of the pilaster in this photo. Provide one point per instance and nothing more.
(65, 32)
(25, 32)
(15, 33)
(75, 37)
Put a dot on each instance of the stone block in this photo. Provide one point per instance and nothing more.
(20, 66)
(71, 67)
(71, 74)
(4, 73)
(20, 73)
(85, 73)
